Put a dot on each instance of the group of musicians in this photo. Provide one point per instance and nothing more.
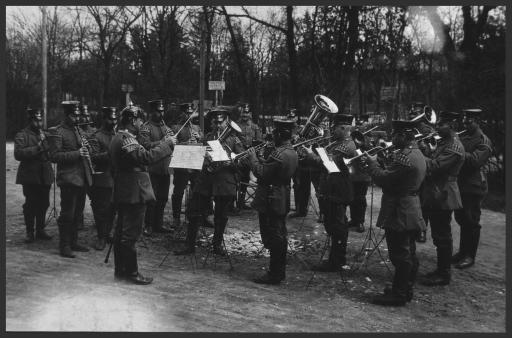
(432, 168)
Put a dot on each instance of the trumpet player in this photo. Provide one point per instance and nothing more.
(35, 174)
(69, 150)
(218, 181)
(400, 213)
(189, 134)
(440, 195)
(272, 198)
(473, 188)
(336, 192)
(151, 134)
(250, 136)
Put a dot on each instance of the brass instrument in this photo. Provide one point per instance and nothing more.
(461, 132)
(358, 136)
(376, 149)
(318, 138)
(421, 137)
(245, 153)
(323, 106)
(428, 115)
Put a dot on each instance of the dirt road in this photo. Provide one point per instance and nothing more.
(47, 292)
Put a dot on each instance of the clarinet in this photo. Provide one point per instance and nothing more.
(89, 169)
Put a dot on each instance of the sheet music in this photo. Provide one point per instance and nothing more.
(218, 153)
(328, 163)
(188, 157)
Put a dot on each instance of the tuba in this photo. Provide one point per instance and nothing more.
(428, 115)
(322, 108)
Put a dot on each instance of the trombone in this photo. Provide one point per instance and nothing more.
(311, 140)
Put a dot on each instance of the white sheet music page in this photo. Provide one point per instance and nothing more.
(328, 163)
(218, 153)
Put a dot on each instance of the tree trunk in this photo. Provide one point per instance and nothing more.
(292, 55)
(238, 54)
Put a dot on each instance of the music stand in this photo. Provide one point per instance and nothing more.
(370, 239)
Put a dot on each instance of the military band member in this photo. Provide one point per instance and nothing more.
(74, 176)
(189, 134)
(473, 187)
(440, 195)
(360, 181)
(400, 213)
(423, 128)
(217, 179)
(251, 135)
(100, 192)
(151, 133)
(336, 192)
(132, 190)
(35, 174)
(272, 198)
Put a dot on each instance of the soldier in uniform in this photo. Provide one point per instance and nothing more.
(87, 129)
(251, 135)
(424, 128)
(217, 179)
(132, 190)
(35, 174)
(190, 134)
(440, 195)
(272, 198)
(360, 180)
(151, 133)
(400, 213)
(335, 192)
(74, 176)
(473, 187)
(100, 192)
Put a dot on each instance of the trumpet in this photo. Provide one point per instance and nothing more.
(420, 137)
(461, 132)
(245, 153)
(358, 136)
(360, 153)
(311, 140)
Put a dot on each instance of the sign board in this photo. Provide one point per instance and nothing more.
(127, 88)
(388, 93)
(216, 85)
(187, 157)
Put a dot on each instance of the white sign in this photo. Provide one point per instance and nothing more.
(216, 85)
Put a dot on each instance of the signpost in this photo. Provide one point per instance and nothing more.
(216, 85)
(127, 88)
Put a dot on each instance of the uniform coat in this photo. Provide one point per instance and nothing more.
(34, 168)
(150, 135)
(478, 148)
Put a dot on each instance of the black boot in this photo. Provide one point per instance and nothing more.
(29, 226)
(40, 225)
(218, 238)
(399, 291)
(158, 221)
(392, 298)
(277, 267)
(65, 242)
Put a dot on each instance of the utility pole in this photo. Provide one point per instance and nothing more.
(202, 67)
(44, 67)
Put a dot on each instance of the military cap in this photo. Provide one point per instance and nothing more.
(346, 119)
(218, 114)
(109, 113)
(70, 107)
(284, 124)
(448, 116)
(292, 114)
(34, 114)
(156, 105)
(403, 126)
(471, 112)
(186, 106)
(130, 112)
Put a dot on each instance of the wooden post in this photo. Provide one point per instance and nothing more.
(44, 67)
(202, 72)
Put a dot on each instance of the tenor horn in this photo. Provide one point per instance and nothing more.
(323, 106)
(428, 115)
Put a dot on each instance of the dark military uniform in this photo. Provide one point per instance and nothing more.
(360, 183)
(272, 201)
(73, 177)
(151, 134)
(307, 172)
(251, 135)
(100, 192)
(190, 134)
(35, 174)
(132, 191)
(221, 184)
(440, 196)
(400, 214)
(473, 187)
(335, 193)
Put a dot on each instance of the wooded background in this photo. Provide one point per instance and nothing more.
(368, 59)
